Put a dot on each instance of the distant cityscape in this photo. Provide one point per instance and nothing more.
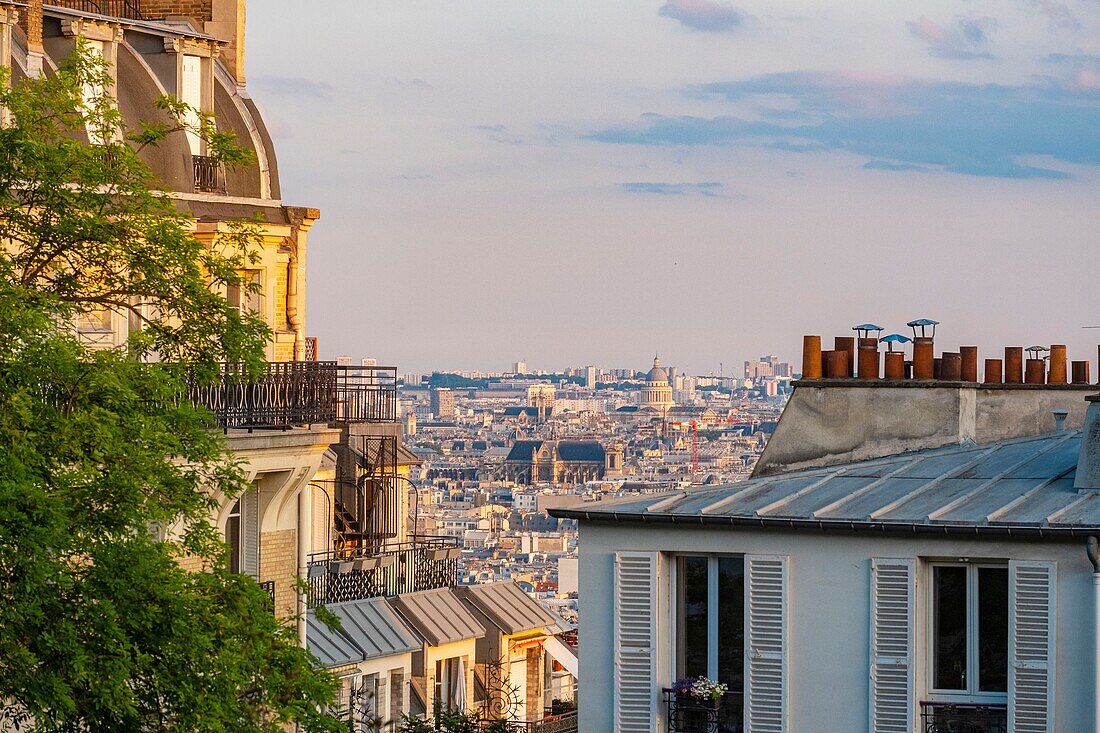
(495, 450)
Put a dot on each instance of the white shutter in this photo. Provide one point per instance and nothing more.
(1031, 615)
(250, 533)
(191, 94)
(635, 642)
(893, 585)
(766, 666)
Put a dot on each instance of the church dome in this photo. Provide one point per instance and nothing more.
(656, 374)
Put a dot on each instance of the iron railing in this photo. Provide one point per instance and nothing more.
(938, 717)
(209, 174)
(269, 586)
(423, 564)
(288, 394)
(687, 715)
(130, 9)
(366, 394)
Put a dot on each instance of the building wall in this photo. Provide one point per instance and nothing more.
(840, 423)
(829, 614)
(279, 562)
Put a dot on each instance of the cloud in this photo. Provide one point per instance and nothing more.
(967, 38)
(499, 133)
(705, 15)
(291, 86)
(886, 165)
(1059, 14)
(711, 189)
(981, 130)
(1082, 73)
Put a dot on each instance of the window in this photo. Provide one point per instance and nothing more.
(450, 684)
(245, 295)
(234, 538)
(191, 94)
(969, 631)
(710, 618)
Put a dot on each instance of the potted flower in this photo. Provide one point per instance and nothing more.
(700, 691)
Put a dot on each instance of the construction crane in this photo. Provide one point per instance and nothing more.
(694, 451)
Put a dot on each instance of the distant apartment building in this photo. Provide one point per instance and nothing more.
(767, 366)
(519, 367)
(442, 403)
(591, 376)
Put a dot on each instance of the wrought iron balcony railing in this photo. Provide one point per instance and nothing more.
(422, 564)
(296, 393)
(938, 717)
(209, 174)
(687, 715)
(130, 9)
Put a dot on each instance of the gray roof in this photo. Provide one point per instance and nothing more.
(371, 630)
(438, 616)
(1013, 487)
(590, 451)
(508, 607)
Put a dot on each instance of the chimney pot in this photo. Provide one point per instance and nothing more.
(951, 366)
(1060, 415)
(1014, 364)
(1080, 372)
(1035, 371)
(923, 361)
(811, 357)
(993, 371)
(868, 358)
(969, 363)
(847, 344)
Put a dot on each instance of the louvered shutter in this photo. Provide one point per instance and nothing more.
(191, 94)
(1031, 646)
(893, 585)
(766, 636)
(635, 642)
(250, 533)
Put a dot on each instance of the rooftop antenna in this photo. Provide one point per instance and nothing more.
(923, 324)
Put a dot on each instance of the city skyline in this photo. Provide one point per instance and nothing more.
(588, 183)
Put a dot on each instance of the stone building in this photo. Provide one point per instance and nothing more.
(561, 461)
(657, 392)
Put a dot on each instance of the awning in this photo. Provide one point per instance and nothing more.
(565, 656)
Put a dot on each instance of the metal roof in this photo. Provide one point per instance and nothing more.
(371, 630)
(1013, 487)
(438, 616)
(508, 607)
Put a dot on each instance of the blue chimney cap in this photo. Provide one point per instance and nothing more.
(923, 322)
(867, 327)
(895, 338)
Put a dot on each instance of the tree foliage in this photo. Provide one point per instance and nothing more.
(101, 629)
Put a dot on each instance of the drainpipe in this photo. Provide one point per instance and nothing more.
(305, 539)
(1094, 557)
(293, 320)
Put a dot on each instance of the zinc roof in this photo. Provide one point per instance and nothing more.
(508, 607)
(438, 616)
(1021, 486)
(371, 629)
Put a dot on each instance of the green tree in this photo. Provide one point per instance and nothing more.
(100, 627)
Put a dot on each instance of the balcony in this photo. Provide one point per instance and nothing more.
(209, 174)
(299, 393)
(422, 564)
(687, 715)
(130, 9)
(937, 717)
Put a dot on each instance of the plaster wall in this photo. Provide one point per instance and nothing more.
(843, 421)
(829, 614)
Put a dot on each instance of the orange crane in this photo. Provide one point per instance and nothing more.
(694, 451)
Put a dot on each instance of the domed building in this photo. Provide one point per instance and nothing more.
(657, 392)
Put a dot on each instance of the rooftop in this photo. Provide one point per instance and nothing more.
(1022, 486)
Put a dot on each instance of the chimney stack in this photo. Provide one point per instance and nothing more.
(1088, 460)
(1057, 364)
(811, 357)
(1014, 364)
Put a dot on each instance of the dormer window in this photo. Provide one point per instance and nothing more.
(191, 94)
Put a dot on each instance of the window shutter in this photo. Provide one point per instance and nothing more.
(766, 659)
(1031, 646)
(893, 585)
(635, 642)
(250, 533)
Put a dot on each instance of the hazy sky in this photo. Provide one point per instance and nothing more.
(591, 182)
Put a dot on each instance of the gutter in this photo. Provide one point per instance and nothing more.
(831, 525)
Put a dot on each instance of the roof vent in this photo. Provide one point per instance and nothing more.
(1060, 415)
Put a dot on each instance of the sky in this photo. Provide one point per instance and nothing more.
(572, 183)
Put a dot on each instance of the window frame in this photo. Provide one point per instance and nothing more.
(713, 599)
(234, 537)
(972, 694)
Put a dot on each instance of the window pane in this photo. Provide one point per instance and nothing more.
(731, 622)
(993, 629)
(692, 617)
(949, 627)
